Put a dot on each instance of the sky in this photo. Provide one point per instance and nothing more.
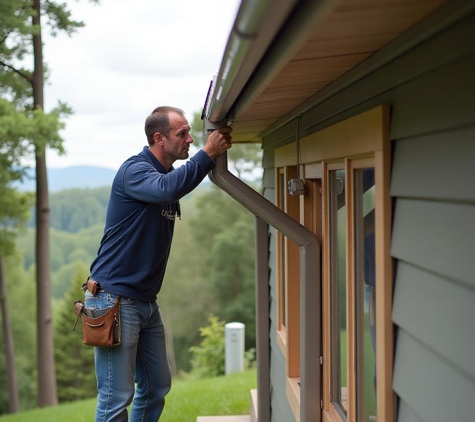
(126, 61)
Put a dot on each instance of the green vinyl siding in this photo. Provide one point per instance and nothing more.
(423, 380)
(437, 166)
(436, 236)
(435, 311)
(406, 413)
(281, 411)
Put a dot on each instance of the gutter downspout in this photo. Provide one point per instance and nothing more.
(310, 288)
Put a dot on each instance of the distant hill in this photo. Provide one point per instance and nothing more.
(71, 177)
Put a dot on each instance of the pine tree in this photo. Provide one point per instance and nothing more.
(21, 36)
(75, 374)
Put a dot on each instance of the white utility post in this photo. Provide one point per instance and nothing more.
(234, 355)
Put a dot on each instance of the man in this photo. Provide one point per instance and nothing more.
(132, 258)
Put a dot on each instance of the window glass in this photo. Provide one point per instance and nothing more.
(365, 276)
(282, 195)
(338, 290)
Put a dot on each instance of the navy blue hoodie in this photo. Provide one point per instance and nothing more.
(140, 219)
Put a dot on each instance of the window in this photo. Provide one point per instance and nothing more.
(288, 288)
(338, 287)
(357, 272)
(352, 288)
(365, 291)
(282, 288)
(347, 205)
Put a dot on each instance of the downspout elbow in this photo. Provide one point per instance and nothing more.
(221, 166)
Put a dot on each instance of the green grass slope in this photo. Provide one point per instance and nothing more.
(228, 395)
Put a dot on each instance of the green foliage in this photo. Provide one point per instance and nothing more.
(15, 129)
(23, 125)
(184, 289)
(76, 209)
(231, 275)
(14, 212)
(14, 206)
(26, 127)
(67, 250)
(75, 374)
(70, 251)
(21, 299)
(208, 358)
(223, 232)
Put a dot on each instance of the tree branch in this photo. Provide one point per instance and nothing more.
(2, 41)
(18, 72)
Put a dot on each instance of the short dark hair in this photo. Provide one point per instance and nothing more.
(158, 121)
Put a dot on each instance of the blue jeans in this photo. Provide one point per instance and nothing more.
(137, 371)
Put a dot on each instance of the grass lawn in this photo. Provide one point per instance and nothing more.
(186, 401)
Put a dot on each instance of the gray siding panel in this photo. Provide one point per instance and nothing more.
(267, 158)
(437, 312)
(435, 390)
(437, 236)
(281, 411)
(269, 194)
(268, 179)
(406, 414)
(439, 166)
(430, 105)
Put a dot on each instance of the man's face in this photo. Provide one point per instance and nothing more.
(176, 144)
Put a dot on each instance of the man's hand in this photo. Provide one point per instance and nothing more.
(218, 142)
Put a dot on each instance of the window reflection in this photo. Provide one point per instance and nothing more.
(338, 290)
(283, 299)
(365, 278)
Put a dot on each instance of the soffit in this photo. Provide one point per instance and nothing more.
(350, 33)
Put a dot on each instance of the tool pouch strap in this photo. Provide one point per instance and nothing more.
(92, 286)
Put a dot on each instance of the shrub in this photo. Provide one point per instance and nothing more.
(208, 357)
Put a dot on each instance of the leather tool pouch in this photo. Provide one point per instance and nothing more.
(100, 328)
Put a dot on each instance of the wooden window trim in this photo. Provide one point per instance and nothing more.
(292, 391)
(350, 166)
(365, 136)
(281, 329)
(375, 142)
(329, 411)
(288, 337)
(293, 285)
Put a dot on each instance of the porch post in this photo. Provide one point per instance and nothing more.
(262, 317)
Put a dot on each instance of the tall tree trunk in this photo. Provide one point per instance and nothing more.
(13, 394)
(167, 319)
(47, 394)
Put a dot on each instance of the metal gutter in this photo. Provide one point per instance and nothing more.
(298, 27)
(256, 25)
(310, 289)
(259, 25)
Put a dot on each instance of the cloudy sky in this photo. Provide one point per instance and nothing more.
(129, 58)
